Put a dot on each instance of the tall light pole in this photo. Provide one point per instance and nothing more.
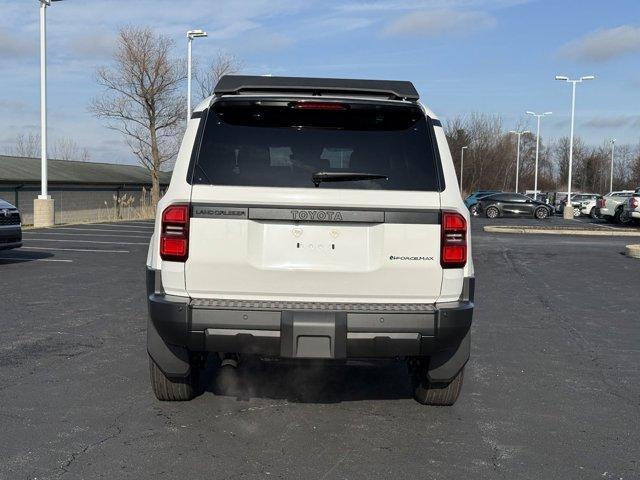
(191, 34)
(43, 206)
(535, 182)
(462, 164)
(613, 145)
(568, 210)
(519, 134)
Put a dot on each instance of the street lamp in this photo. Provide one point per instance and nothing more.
(43, 206)
(535, 183)
(191, 34)
(462, 165)
(519, 134)
(568, 210)
(613, 144)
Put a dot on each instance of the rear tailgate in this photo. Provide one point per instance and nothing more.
(325, 251)
(263, 227)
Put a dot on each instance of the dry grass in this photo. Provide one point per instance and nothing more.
(124, 207)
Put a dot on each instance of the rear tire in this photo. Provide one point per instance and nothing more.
(172, 389)
(492, 212)
(541, 213)
(440, 394)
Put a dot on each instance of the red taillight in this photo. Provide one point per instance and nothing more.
(454, 240)
(318, 106)
(633, 202)
(174, 236)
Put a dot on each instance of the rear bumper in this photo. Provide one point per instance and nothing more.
(307, 330)
(10, 237)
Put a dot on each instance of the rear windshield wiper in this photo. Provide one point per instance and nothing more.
(320, 177)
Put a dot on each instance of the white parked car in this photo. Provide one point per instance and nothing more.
(612, 206)
(632, 207)
(311, 219)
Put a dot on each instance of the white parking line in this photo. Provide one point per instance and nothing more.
(150, 226)
(85, 234)
(25, 259)
(82, 241)
(75, 250)
(97, 230)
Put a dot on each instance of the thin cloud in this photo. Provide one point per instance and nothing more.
(619, 121)
(440, 22)
(14, 46)
(604, 45)
(398, 5)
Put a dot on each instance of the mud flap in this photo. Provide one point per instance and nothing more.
(444, 366)
(171, 359)
(313, 335)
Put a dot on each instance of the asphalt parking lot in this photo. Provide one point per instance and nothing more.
(552, 390)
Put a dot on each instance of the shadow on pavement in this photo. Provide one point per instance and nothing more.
(309, 382)
(20, 256)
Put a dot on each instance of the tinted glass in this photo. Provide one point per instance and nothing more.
(278, 144)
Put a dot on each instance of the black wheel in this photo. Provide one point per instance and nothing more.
(473, 209)
(621, 217)
(541, 213)
(492, 212)
(172, 389)
(428, 393)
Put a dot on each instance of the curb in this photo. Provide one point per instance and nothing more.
(595, 233)
(633, 251)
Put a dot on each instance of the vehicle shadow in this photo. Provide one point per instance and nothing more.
(20, 256)
(309, 382)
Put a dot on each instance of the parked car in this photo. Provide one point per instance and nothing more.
(612, 206)
(584, 204)
(513, 204)
(632, 207)
(10, 226)
(269, 239)
(472, 200)
(578, 202)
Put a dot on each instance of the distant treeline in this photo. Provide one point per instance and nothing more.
(490, 160)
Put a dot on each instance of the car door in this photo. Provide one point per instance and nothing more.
(510, 205)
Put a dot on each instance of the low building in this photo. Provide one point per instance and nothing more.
(83, 191)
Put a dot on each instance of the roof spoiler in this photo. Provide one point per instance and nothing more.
(238, 84)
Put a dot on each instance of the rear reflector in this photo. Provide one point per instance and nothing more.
(318, 106)
(174, 236)
(454, 240)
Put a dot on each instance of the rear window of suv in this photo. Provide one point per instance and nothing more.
(281, 143)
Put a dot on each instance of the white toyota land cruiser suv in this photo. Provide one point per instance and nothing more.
(311, 219)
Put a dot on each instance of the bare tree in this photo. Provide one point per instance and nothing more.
(67, 149)
(223, 64)
(27, 145)
(63, 149)
(142, 98)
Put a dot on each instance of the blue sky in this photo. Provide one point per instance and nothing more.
(491, 56)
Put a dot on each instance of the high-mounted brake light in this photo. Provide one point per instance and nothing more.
(318, 106)
(453, 252)
(174, 235)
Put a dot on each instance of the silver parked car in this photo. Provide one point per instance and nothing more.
(10, 226)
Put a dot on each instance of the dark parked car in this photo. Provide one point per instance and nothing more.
(513, 204)
(10, 226)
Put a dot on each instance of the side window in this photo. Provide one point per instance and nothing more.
(499, 198)
(518, 198)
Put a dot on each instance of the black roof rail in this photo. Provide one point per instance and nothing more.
(394, 89)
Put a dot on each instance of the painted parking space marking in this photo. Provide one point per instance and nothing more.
(86, 234)
(27, 259)
(75, 250)
(84, 241)
(95, 230)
